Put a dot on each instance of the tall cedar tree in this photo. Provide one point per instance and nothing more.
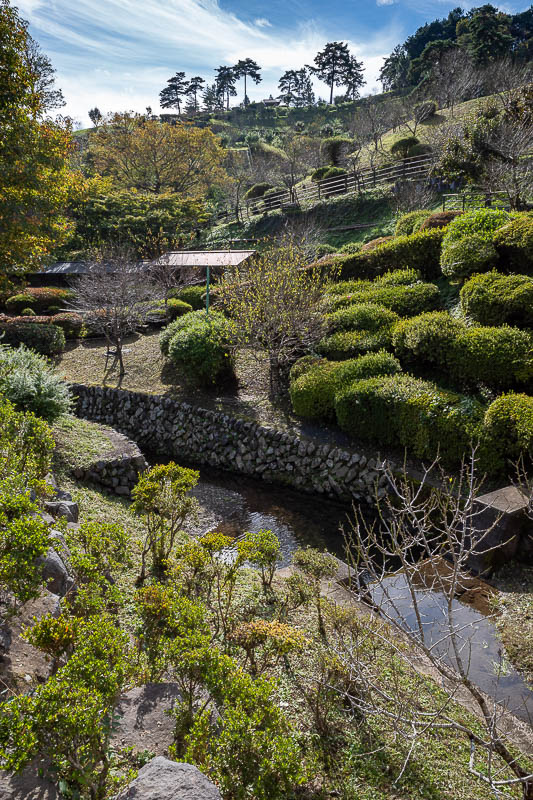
(332, 64)
(171, 96)
(225, 83)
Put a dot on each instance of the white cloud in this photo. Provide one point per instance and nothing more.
(385, 2)
(118, 54)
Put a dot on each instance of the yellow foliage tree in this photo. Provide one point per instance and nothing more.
(156, 157)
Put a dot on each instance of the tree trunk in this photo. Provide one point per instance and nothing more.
(275, 378)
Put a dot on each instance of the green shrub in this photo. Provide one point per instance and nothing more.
(40, 299)
(402, 411)
(401, 147)
(479, 222)
(26, 445)
(514, 243)
(257, 190)
(175, 327)
(425, 110)
(313, 391)
(495, 299)
(373, 243)
(334, 172)
(28, 312)
(319, 173)
(440, 219)
(427, 339)
(27, 381)
(202, 347)
(70, 323)
(177, 308)
(420, 251)
(410, 222)
(419, 149)
(46, 339)
(398, 277)
(342, 288)
(461, 258)
(508, 428)
(193, 295)
(406, 301)
(362, 317)
(499, 357)
(347, 344)
(303, 365)
(350, 247)
(324, 250)
(334, 147)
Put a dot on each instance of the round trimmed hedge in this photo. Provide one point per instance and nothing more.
(200, 345)
(406, 301)
(409, 223)
(313, 391)
(362, 317)
(500, 357)
(427, 339)
(193, 295)
(70, 322)
(508, 427)
(177, 308)
(440, 219)
(38, 299)
(496, 299)
(347, 344)
(400, 410)
(47, 339)
(514, 243)
(461, 258)
(479, 222)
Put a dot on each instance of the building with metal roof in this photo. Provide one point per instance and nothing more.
(205, 258)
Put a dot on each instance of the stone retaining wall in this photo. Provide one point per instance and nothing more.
(118, 470)
(197, 435)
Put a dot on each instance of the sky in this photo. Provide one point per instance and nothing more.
(118, 54)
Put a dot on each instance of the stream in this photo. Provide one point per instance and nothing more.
(235, 504)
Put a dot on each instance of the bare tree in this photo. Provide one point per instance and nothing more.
(502, 78)
(454, 78)
(418, 524)
(410, 195)
(114, 296)
(275, 304)
(166, 275)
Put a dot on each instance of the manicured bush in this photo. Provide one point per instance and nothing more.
(401, 147)
(27, 381)
(420, 251)
(313, 391)
(350, 247)
(347, 344)
(481, 222)
(406, 301)
(398, 277)
(200, 345)
(178, 325)
(440, 219)
(362, 317)
(342, 288)
(334, 147)
(420, 149)
(70, 323)
(27, 312)
(427, 339)
(177, 308)
(514, 243)
(324, 250)
(508, 429)
(425, 110)
(461, 258)
(402, 411)
(500, 357)
(373, 243)
(40, 299)
(496, 299)
(257, 190)
(46, 339)
(303, 365)
(319, 173)
(194, 295)
(410, 222)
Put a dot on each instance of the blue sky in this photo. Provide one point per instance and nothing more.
(118, 54)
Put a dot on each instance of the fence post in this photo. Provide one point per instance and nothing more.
(318, 184)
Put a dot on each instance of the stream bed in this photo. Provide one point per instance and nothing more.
(235, 504)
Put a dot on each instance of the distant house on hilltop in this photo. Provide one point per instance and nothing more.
(270, 101)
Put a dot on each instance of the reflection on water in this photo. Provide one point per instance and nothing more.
(234, 504)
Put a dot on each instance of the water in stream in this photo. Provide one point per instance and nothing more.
(235, 504)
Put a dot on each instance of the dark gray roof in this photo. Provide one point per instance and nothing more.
(65, 268)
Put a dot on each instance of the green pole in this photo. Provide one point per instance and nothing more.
(207, 293)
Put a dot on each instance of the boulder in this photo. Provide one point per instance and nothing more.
(55, 575)
(142, 720)
(27, 785)
(63, 508)
(162, 779)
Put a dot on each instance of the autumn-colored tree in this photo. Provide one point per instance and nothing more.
(34, 175)
(157, 157)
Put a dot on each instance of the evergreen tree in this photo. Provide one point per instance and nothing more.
(353, 77)
(394, 72)
(485, 34)
(195, 85)
(212, 98)
(331, 65)
(305, 95)
(225, 83)
(287, 85)
(247, 68)
(171, 96)
(95, 115)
